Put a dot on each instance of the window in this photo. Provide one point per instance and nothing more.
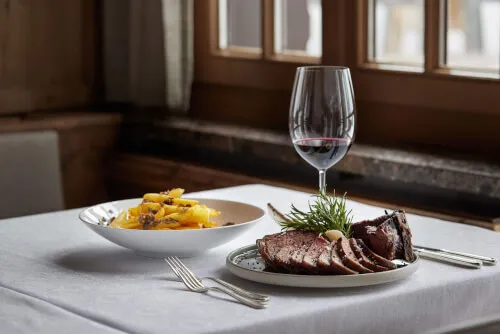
(240, 25)
(473, 35)
(409, 59)
(297, 27)
(397, 32)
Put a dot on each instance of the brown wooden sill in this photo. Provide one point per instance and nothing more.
(57, 120)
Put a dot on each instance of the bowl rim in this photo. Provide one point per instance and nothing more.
(262, 214)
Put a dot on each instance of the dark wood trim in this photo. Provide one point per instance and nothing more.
(267, 7)
(433, 34)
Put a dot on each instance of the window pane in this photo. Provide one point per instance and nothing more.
(297, 27)
(473, 35)
(239, 23)
(398, 31)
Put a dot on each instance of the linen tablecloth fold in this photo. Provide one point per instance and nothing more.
(20, 313)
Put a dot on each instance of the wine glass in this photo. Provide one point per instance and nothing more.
(322, 120)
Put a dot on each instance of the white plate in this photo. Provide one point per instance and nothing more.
(182, 243)
(246, 263)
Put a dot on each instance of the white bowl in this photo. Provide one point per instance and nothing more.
(183, 243)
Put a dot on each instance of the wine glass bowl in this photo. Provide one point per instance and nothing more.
(322, 120)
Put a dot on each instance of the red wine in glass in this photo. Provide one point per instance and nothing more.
(322, 118)
(322, 153)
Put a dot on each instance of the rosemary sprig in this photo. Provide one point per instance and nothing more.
(325, 213)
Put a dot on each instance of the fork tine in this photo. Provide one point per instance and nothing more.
(182, 265)
(193, 283)
(179, 274)
(188, 272)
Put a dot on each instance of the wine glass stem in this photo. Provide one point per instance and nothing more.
(322, 179)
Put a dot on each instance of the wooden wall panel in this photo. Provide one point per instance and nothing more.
(47, 54)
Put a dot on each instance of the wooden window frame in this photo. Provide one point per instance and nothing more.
(237, 66)
(344, 22)
(436, 87)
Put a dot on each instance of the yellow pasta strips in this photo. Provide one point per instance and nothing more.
(166, 211)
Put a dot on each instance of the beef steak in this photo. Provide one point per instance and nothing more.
(311, 258)
(388, 236)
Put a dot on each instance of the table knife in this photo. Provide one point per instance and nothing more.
(454, 259)
(484, 259)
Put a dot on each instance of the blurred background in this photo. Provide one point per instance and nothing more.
(107, 99)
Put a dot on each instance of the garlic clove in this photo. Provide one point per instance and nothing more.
(333, 235)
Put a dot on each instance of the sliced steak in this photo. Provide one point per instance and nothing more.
(336, 266)
(271, 245)
(311, 258)
(297, 256)
(332, 263)
(374, 256)
(277, 249)
(405, 232)
(363, 259)
(325, 257)
(389, 236)
(360, 227)
(348, 257)
(380, 234)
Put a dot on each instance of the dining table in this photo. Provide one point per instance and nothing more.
(58, 276)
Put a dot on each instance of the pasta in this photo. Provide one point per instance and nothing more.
(166, 211)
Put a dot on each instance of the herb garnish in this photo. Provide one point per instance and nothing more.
(325, 213)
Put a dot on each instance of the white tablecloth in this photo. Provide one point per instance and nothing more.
(57, 276)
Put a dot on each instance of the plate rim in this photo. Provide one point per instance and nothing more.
(324, 278)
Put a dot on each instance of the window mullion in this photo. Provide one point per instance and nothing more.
(435, 30)
(268, 36)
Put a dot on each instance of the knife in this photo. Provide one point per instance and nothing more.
(484, 259)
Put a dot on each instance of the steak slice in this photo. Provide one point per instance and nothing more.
(405, 233)
(363, 259)
(325, 257)
(359, 227)
(297, 256)
(271, 245)
(389, 236)
(277, 249)
(310, 261)
(348, 257)
(336, 266)
(374, 256)
(332, 263)
(380, 234)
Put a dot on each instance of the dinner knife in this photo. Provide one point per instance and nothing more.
(454, 259)
(484, 259)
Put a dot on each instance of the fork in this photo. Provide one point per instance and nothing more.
(195, 285)
(238, 290)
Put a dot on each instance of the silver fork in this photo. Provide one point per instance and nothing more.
(195, 285)
(238, 290)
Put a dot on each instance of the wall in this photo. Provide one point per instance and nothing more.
(50, 61)
(47, 54)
